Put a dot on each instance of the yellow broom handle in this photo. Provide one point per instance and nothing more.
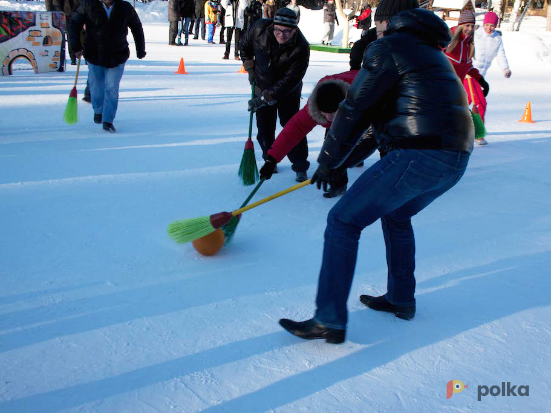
(78, 69)
(271, 197)
(470, 87)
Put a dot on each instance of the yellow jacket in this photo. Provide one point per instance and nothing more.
(211, 12)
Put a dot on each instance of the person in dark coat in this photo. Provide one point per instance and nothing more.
(252, 13)
(329, 20)
(187, 10)
(174, 16)
(276, 56)
(199, 19)
(106, 50)
(409, 93)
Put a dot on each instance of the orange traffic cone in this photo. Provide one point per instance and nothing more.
(527, 118)
(242, 70)
(182, 68)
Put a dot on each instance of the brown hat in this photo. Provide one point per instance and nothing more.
(388, 8)
(466, 17)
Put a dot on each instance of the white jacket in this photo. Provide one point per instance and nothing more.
(239, 16)
(486, 48)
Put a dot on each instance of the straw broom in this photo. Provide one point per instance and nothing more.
(189, 230)
(248, 171)
(71, 113)
(479, 128)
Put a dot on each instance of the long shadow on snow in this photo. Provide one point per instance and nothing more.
(456, 315)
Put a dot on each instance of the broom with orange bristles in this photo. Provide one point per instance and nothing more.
(189, 230)
(71, 112)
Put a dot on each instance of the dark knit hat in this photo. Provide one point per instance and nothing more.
(285, 17)
(465, 17)
(388, 8)
(328, 97)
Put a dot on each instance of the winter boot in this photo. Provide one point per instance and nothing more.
(109, 127)
(310, 330)
(97, 118)
(301, 177)
(186, 42)
(335, 191)
(179, 42)
(405, 312)
(226, 57)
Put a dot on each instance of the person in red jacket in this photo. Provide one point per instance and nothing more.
(460, 52)
(320, 110)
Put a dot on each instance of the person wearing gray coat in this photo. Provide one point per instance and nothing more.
(174, 16)
(199, 19)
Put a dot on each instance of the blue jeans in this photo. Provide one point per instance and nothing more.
(394, 189)
(211, 28)
(104, 88)
(184, 26)
(200, 21)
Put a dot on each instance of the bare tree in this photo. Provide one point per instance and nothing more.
(346, 25)
(514, 15)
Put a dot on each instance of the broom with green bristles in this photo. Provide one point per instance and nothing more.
(71, 113)
(189, 230)
(248, 171)
(479, 128)
(230, 227)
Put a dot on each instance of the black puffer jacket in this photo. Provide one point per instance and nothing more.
(279, 69)
(407, 90)
(106, 43)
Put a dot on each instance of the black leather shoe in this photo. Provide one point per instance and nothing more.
(87, 99)
(333, 192)
(405, 312)
(310, 330)
(109, 127)
(97, 118)
(301, 177)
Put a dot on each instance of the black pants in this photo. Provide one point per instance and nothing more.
(172, 32)
(222, 21)
(266, 118)
(200, 21)
(229, 35)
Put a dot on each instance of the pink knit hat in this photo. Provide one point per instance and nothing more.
(465, 17)
(491, 18)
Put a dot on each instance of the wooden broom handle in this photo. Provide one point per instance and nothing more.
(78, 69)
(270, 198)
(475, 109)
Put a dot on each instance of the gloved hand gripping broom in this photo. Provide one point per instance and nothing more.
(191, 229)
(248, 171)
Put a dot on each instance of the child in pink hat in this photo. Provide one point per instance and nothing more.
(489, 45)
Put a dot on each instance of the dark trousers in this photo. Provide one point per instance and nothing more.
(200, 21)
(266, 118)
(229, 33)
(222, 21)
(172, 32)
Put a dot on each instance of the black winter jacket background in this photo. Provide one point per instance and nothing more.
(106, 43)
(279, 69)
(407, 90)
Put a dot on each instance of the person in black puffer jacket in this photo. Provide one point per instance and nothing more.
(409, 93)
(276, 56)
(106, 50)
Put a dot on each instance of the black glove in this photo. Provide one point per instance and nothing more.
(267, 170)
(141, 55)
(256, 103)
(484, 85)
(324, 176)
(248, 65)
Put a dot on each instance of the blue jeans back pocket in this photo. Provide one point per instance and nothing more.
(417, 179)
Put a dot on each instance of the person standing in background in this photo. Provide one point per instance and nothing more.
(329, 19)
(488, 45)
(187, 8)
(106, 50)
(199, 19)
(174, 20)
(235, 19)
(212, 9)
(294, 6)
(269, 9)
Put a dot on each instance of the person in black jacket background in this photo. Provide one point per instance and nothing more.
(276, 56)
(409, 93)
(199, 19)
(106, 50)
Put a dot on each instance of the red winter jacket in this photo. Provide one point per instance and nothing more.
(307, 118)
(459, 58)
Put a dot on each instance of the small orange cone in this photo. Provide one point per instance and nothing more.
(527, 118)
(242, 70)
(182, 68)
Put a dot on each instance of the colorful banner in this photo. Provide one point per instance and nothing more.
(38, 37)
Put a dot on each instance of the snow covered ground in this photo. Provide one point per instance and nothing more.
(101, 312)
